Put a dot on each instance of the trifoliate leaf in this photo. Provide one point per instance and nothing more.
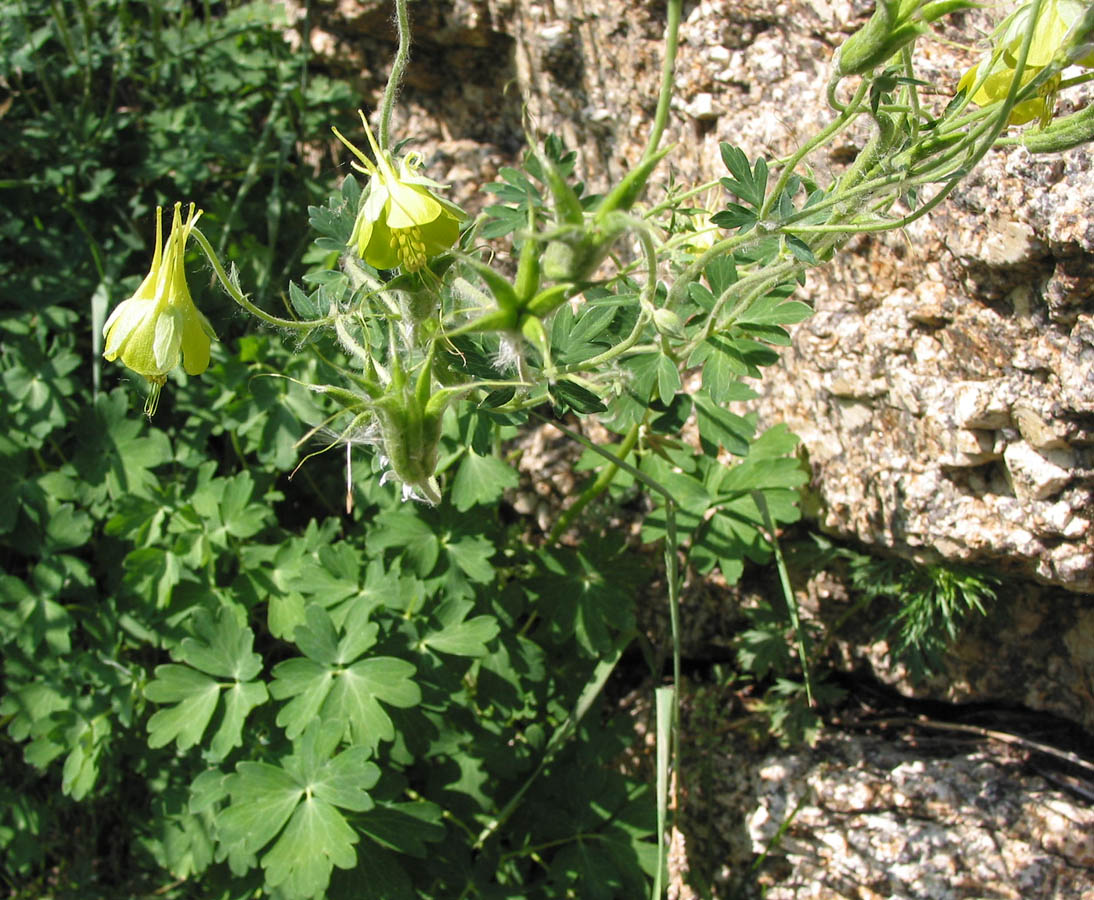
(413, 537)
(748, 183)
(116, 449)
(326, 685)
(472, 554)
(34, 617)
(587, 594)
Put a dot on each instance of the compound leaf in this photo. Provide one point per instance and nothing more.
(222, 651)
(328, 686)
(306, 793)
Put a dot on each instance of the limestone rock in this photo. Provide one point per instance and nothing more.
(874, 818)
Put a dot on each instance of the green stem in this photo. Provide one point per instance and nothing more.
(612, 352)
(911, 92)
(672, 563)
(758, 284)
(597, 488)
(559, 737)
(677, 199)
(788, 593)
(846, 116)
(395, 78)
(664, 98)
(239, 297)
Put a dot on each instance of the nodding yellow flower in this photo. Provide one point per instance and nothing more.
(1055, 20)
(159, 325)
(401, 222)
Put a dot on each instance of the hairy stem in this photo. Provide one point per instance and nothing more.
(398, 68)
(236, 294)
(664, 98)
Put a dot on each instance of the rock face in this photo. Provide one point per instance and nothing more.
(866, 817)
(944, 387)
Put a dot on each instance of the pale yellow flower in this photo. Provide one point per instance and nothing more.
(402, 222)
(1055, 20)
(159, 326)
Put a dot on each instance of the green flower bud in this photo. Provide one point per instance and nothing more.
(668, 323)
(894, 25)
(1059, 134)
(410, 439)
(410, 427)
(576, 256)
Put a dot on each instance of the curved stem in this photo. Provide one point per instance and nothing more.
(767, 279)
(240, 298)
(594, 490)
(395, 78)
(845, 117)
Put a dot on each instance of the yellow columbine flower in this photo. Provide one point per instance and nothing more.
(401, 222)
(159, 324)
(1055, 20)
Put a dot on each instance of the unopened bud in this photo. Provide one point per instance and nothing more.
(668, 323)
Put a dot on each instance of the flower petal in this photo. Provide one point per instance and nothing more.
(440, 234)
(168, 338)
(411, 207)
(126, 318)
(196, 332)
(379, 250)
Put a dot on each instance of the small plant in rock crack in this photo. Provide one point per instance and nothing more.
(932, 605)
(926, 607)
(402, 700)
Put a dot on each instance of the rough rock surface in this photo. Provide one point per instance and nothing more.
(902, 812)
(1034, 648)
(871, 818)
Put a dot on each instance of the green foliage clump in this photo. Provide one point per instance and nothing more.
(932, 604)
